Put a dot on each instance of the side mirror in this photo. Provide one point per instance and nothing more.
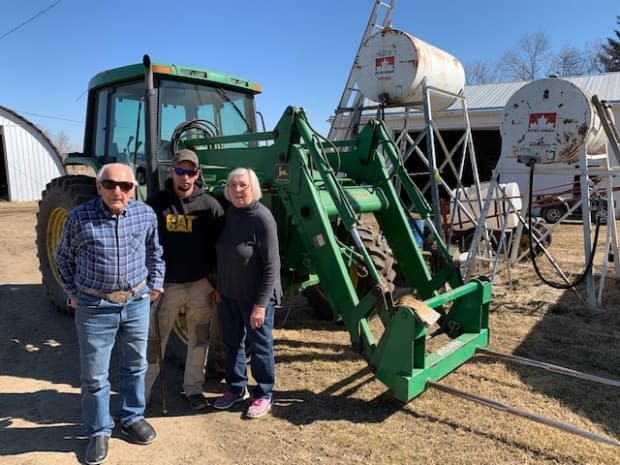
(141, 176)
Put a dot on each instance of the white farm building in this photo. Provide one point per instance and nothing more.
(28, 159)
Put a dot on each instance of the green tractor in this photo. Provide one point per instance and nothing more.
(342, 227)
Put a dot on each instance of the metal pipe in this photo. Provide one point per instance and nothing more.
(549, 367)
(522, 413)
(151, 145)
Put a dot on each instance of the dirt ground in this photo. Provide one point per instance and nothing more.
(329, 409)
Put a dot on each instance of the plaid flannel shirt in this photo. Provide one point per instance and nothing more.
(109, 253)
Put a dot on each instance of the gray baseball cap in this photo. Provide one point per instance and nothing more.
(186, 155)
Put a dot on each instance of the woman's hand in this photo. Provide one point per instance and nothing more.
(257, 317)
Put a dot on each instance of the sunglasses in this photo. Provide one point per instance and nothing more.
(125, 186)
(182, 171)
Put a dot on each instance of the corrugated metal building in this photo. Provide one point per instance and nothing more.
(28, 159)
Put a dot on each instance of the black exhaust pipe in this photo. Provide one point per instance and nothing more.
(151, 145)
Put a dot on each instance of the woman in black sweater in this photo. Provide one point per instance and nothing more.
(248, 282)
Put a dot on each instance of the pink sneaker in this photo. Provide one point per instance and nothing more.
(259, 407)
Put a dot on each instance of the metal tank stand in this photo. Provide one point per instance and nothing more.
(460, 215)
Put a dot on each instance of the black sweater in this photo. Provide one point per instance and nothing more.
(188, 229)
(248, 268)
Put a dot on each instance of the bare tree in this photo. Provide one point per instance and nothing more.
(479, 72)
(591, 52)
(527, 61)
(62, 142)
(568, 62)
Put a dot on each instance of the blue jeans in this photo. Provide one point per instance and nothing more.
(99, 324)
(235, 317)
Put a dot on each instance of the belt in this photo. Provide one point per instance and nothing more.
(116, 296)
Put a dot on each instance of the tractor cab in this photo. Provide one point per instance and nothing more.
(134, 111)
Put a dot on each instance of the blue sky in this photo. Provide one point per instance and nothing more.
(300, 52)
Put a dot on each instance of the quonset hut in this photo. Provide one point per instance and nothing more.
(28, 158)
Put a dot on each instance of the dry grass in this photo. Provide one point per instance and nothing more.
(339, 413)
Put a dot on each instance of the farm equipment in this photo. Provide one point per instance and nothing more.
(342, 228)
(318, 191)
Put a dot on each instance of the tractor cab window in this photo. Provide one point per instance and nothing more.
(221, 112)
(119, 127)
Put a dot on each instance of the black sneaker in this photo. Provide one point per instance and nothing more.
(229, 399)
(140, 432)
(197, 401)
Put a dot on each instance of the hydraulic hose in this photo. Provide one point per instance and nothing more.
(588, 267)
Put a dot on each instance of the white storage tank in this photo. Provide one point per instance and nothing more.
(393, 65)
(551, 120)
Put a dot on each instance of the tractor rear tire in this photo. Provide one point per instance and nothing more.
(383, 259)
(59, 197)
(381, 255)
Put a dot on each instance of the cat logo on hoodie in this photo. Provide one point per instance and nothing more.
(179, 223)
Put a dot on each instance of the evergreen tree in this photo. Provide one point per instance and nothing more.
(610, 57)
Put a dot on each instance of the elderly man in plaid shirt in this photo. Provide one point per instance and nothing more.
(110, 262)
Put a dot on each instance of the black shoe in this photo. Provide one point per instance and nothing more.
(97, 450)
(197, 401)
(139, 432)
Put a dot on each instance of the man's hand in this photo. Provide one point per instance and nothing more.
(257, 317)
(154, 295)
(72, 302)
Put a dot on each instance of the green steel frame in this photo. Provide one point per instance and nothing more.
(311, 184)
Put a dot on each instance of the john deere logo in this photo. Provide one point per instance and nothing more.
(281, 172)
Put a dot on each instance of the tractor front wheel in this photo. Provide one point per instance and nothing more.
(59, 197)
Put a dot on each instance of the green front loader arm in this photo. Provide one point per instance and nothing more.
(316, 189)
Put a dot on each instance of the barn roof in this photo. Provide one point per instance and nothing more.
(10, 114)
(495, 96)
(29, 158)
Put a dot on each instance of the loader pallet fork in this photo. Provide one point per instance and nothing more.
(311, 184)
